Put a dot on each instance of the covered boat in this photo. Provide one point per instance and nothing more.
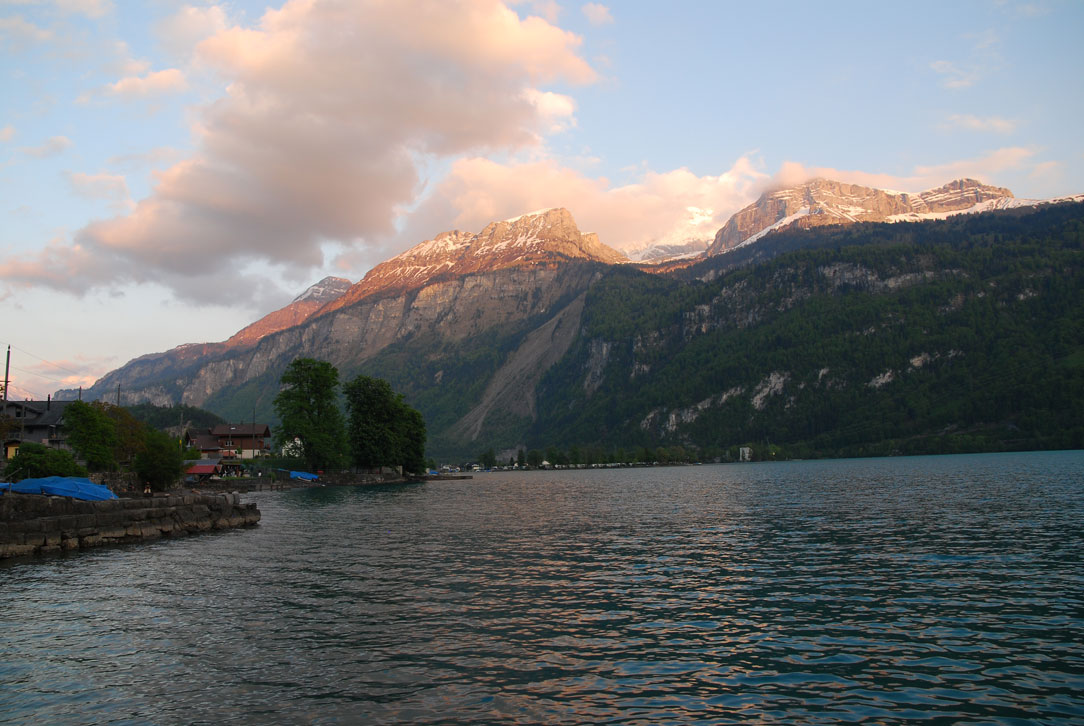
(76, 487)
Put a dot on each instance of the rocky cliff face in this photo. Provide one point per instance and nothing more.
(154, 377)
(451, 287)
(547, 236)
(301, 309)
(823, 201)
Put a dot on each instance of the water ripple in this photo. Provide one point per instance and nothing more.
(943, 589)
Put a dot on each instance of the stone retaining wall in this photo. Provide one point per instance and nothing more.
(33, 524)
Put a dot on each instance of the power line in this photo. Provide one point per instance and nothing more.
(43, 360)
(33, 396)
(39, 375)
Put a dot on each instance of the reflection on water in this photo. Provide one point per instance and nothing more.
(887, 591)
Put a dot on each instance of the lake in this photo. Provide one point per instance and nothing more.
(933, 589)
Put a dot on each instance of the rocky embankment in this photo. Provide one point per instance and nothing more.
(31, 524)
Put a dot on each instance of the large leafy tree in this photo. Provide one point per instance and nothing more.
(383, 429)
(130, 434)
(159, 460)
(92, 434)
(308, 411)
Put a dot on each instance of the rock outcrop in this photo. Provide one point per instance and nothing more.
(151, 378)
(547, 236)
(301, 309)
(451, 287)
(823, 201)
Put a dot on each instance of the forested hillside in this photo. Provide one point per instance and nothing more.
(958, 335)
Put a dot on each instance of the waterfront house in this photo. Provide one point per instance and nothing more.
(204, 442)
(228, 441)
(40, 422)
(243, 440)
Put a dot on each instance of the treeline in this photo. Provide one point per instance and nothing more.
(179, 416)
(105, 438)
(379, 428)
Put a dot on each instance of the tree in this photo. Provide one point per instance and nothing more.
(488, 459)
(412, 435)
(159, 460)
(521, 458)
(130, 433)
(371, 411)
(383, 429)
(35, 460)
(534, 458)
(91, 433)
(308, 411)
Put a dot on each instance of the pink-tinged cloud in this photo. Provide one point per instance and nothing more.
(970, 122)
(955, 76)
(111, 187)
(597, 14)
(52, 147)
(170, 80)
(16, 32)
(90, 8)
(182, 31)
(331, 107)
(920, 179)
(670, 207)
(65, 373)
(7, 133)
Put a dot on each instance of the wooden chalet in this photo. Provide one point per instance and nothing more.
(231, 441)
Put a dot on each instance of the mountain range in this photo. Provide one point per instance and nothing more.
(474, 327)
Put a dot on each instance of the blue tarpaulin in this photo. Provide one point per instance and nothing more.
(76, 487)
(303, 475)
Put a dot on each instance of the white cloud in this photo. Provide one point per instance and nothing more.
(55, 145)
(556, 109)
(151, 158)
(548, 9)
(16, 33)
(109, 187)
(90, 8)
(182, 31)
(975, 123)
(597, 14)
(167, 81)
(655, 209)
(921, 178)
(955, 76)
(331, 110)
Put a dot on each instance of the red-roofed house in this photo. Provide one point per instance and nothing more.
(251, 440)
(230, 441)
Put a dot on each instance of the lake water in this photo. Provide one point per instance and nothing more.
(932, 589)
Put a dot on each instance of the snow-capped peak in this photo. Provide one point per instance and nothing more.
(535, 213)
(327, 289)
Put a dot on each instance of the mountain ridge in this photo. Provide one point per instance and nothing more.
(822, 201)
(545, 236)
(471, 337)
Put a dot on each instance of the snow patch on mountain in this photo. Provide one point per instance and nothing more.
(327, 289)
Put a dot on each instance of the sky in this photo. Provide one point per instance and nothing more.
(171, 171)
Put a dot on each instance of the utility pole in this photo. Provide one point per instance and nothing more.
(7, 372)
